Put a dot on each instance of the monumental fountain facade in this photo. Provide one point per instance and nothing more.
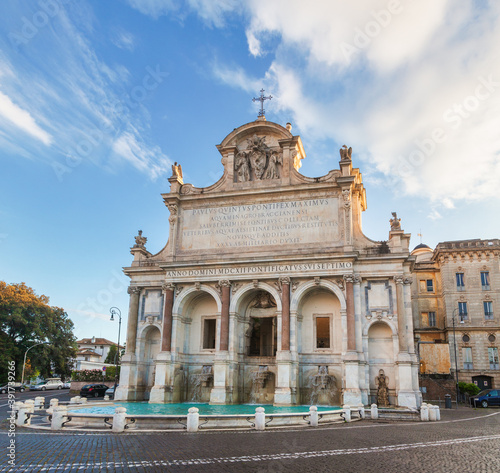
(267, 290)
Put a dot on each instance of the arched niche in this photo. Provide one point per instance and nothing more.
(319, 321)
(381, 349)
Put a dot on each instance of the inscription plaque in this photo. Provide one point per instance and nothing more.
(297, 222)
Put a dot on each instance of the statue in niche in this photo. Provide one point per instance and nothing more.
(263, 300)
(242, 168)
(177, 171)
(345, 153)
(382, 389)
(140, 241)
(272, 171)
(395, 222)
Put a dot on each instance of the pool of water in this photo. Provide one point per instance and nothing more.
(138, 408)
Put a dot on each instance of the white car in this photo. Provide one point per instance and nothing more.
(50, 383)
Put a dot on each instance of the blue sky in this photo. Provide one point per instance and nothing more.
(98, 99)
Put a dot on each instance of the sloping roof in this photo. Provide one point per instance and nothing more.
(97, 341)
(88, 352)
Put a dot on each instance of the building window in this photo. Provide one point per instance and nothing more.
(493, 357)
(491, 338)
(209, 331)
(430, 285)
(465, 338)
(432, 319)
(467, 356)
(462, 311)
(488, 310)
(322, 332)
(485, 280)
(460, 282)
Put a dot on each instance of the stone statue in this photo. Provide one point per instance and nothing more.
(382, 389)
(272, 171)
(242, 168)
(395, 222)
(140, 241)
(177, 171)
(345, 153)
(258, 153)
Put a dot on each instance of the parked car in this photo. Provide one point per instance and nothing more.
(4, 388)
(67, 385)
(49, 383)
(488, 397)
(93, 390)
(110, 392)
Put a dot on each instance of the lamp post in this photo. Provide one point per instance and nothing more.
(25, 353)
(455, 349)
(115, 311)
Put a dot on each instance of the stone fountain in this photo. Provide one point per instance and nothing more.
(323, 387)
(259, 391)
(201, 384)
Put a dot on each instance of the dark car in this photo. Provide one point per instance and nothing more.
(488, 397)
(111, 392)
(93, 390)
(4, 388)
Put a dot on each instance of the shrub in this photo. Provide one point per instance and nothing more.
(468, 388)
(95, 375)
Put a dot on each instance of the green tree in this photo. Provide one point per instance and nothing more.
(26, 319)
(110, 358)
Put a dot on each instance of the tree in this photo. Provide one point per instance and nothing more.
(26, 319)
(110, 358)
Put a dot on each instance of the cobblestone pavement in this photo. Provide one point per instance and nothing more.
(466, 440)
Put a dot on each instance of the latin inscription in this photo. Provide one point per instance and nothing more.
(261, 269)
(278, 223)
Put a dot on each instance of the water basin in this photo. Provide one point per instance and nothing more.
(145, 408)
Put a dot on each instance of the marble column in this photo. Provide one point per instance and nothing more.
(127, 389)
(224, 316)
(166, 339)
(351, 320)
(285, 313)
(402, 326)
(133, 317)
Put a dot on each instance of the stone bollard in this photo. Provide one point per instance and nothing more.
(361, 410)
(374, 411)
(54, 403)
(193, 419)
(59, 415)
(31, 405)
(75, 400)
(438, 413)
(106, 398)
(83, 400)
(432, 413)
(16, 406)
(347, 413)
(260, 418)
(39, 402)
(313, 416)
(119, 419)
(424, 412)
(22, 415)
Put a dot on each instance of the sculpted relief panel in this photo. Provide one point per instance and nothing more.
(296, 223)
(257, 162)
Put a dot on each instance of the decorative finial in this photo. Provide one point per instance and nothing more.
(345, 153)
(140, 241)
(395, 223)
(177, 171)
(420, 235)
(261, 100)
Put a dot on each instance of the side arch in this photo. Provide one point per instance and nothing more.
(187, 294)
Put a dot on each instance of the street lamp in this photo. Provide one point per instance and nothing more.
(26, 352)
(455, 348)
(115, 311)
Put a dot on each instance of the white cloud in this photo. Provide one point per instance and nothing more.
(123, 39)
(22, 119)
(149, 160)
